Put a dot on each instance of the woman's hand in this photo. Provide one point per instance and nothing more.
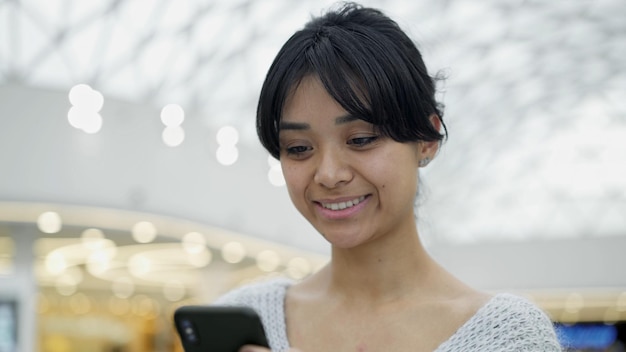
(254, 348)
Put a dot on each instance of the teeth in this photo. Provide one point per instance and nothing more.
(343, 205)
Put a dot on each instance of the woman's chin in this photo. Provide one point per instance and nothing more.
(343, 241)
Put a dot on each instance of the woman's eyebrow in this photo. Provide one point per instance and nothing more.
(305, 126)
(294, 126)
(345, 119)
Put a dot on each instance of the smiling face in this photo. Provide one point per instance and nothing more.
(350, 182)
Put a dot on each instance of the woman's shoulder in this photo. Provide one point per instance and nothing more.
(513, 314)
(507, 322)
(262, 292)
(512, 310)
(266, 297)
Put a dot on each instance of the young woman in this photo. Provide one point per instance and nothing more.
(348, 107)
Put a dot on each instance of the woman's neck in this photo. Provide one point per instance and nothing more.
(381, 270)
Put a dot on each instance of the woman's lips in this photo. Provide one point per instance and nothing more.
(341, 209)
(342, 205)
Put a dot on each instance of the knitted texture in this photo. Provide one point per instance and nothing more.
(506, 323)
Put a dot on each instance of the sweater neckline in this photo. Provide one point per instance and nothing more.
(286, 284)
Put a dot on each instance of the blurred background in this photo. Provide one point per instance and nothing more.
(132, 181)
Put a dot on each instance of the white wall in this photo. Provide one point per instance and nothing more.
(127, 166)
(540, 265)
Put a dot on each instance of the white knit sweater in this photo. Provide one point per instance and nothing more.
(506, 323)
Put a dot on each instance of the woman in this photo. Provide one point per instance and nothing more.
(348, 107)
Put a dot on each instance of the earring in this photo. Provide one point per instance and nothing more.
(424, 162)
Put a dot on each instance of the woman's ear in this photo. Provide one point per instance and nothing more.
(428, 150)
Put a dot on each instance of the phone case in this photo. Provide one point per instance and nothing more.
(217, 328)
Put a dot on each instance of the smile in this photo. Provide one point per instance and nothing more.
(343, 205)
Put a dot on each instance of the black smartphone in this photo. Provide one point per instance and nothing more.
(218, 328)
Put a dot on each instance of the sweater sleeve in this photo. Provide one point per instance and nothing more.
(267, 299)
(506, 323)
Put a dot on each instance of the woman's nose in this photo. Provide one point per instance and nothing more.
(332, 169)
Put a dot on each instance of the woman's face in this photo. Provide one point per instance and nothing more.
(352, 184)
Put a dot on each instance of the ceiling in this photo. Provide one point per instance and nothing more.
(534, 94)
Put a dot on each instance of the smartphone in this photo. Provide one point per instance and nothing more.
(218, 328)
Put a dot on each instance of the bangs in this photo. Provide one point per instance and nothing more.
(371, 79)
(359, 86)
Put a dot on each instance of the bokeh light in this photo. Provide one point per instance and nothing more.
(233, 252)
(49, 222)
(172, 115)
(144, 232)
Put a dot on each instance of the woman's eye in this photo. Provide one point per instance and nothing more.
(362, 141)
(297, 150)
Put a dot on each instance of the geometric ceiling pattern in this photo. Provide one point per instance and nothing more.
(537, 112)
(535, 92)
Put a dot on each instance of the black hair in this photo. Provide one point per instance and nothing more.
(366, 63)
